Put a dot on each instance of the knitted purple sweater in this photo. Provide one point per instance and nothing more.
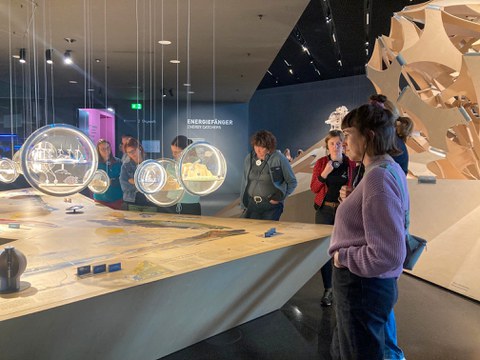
(369, 231)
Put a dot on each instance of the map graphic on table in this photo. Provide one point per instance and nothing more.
(149, 246)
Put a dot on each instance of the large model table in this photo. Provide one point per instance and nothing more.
(183, 278)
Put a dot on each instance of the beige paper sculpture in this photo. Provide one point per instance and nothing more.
(433, 48)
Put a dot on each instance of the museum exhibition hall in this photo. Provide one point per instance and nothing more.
(118, 242)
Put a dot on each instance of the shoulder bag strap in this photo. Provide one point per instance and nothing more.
(404, 198)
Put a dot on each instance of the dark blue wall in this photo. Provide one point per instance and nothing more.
(229, 137)
(296, 114)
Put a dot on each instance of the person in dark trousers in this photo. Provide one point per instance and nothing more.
(267, 179)
(330, 173)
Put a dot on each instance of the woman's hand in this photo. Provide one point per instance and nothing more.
(328, 169)
(336, 263)
(345, 190)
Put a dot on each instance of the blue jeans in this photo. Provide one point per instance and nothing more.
(362, 307)
(392, 351)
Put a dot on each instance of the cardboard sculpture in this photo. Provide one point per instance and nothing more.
(441, 65)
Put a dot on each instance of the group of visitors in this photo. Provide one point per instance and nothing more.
(356, 192)
(122, 192)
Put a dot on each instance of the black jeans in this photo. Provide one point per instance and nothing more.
(362, 306)
(326, 215)
(273, 213)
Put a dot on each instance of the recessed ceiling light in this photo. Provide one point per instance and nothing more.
(98, 60)
(175, 61)
(164, 42)
(91, 90)
(73, 81)
(187, 84)
(16, 56)
(191, 92)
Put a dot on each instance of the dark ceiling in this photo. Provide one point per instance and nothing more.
(325, 58)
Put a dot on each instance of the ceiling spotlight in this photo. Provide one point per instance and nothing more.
(175, 61)
(98, 60)
(164, 42)
(112, 110)
(22, 56)
(73, 81)
(48, 56)
(67, 57)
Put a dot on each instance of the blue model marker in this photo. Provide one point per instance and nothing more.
(114, 267)
(83, 270)
(97, 269)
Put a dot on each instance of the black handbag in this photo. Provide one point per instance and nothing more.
(414, 244)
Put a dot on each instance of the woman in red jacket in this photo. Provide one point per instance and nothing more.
(330, 173)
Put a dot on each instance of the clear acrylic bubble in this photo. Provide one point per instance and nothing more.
(202, 168)
(100, 182)
(17, 159)
(172, 192)
(8, 171)
(150, 177)
(59, 160)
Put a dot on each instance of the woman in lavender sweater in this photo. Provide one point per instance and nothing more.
(368, 240)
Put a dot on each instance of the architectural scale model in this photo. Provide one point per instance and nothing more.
(130, 285)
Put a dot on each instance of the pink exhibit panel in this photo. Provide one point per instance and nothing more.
(98, 124)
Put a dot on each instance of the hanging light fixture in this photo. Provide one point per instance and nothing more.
(22, 56)
(67, 57)
(48, 56)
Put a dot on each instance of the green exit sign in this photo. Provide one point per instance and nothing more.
(136, 106)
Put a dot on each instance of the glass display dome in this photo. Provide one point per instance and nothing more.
(100, 182)
(17, 159)
(172, 191)
(59, 160)
(150, 177)
(202, 168)
(8, 171)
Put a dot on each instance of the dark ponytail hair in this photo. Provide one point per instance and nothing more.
(181, 141)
